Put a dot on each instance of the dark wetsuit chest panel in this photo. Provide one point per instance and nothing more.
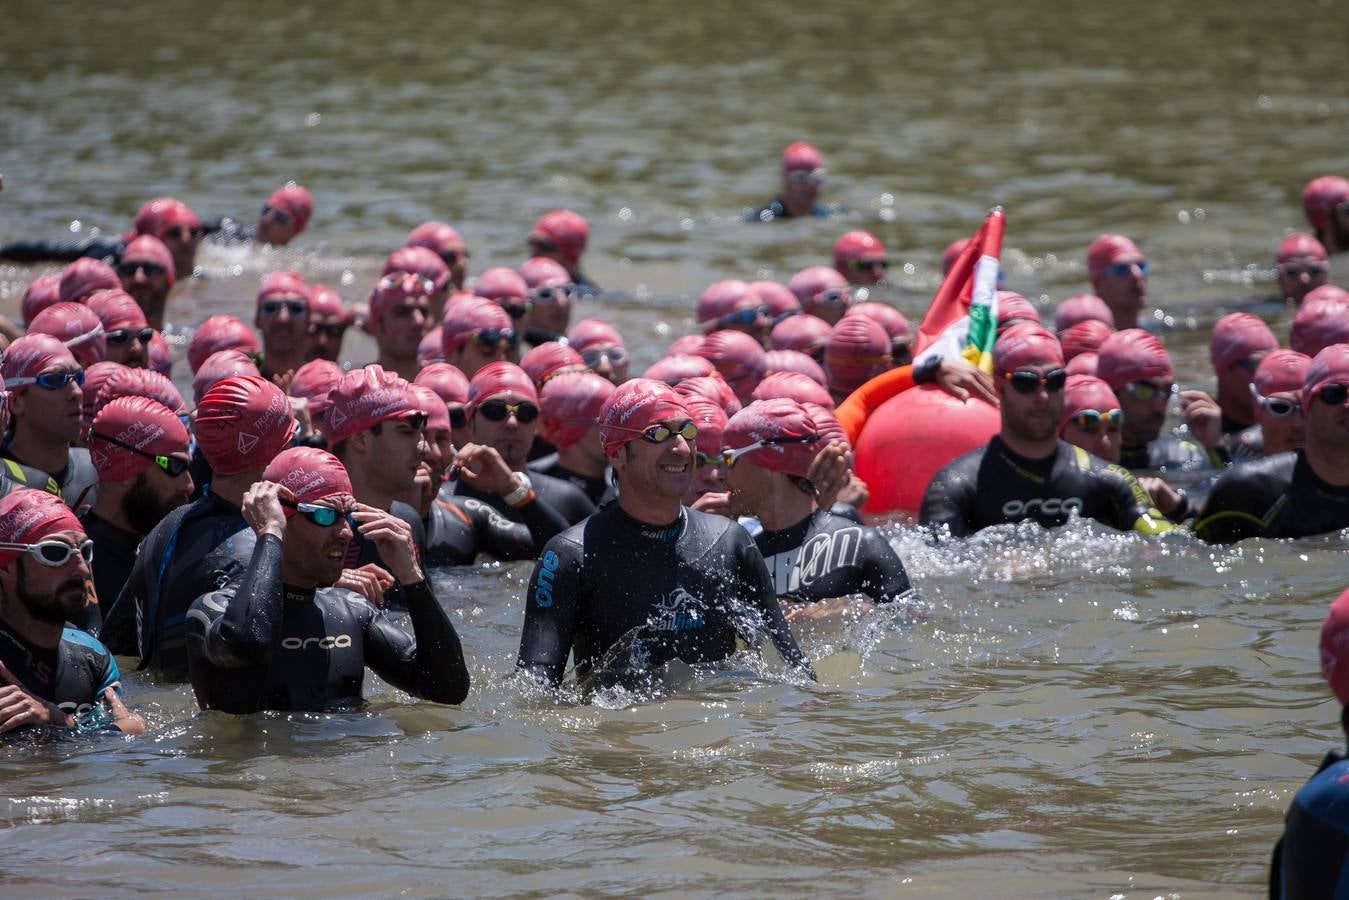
(826, 556)
(73, 675)
(1276, 497)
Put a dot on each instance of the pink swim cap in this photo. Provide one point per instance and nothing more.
(75, 325)
(855, 245)
(436, 410)
(500, 379)
(117, 310)
(447, 381)
(688, 345)
(127, 382)
(858, 350)
(714, 388)
(419, 261)
(1298, 244)
(42, 292)
(794, 361)
(596, 333)
(1012, 307)
(1281, 372)
(1082, 308)
(800, 333)
(31, 355)
(889, 318)
(27, 516)
(1321, 196)
(1321, 320)
(1085, 336)
(566, 231)
(1334, 647)
(437, 237)
(282, 284)
(827, 425)
(160, 359)
(737, 356)
(793, 386)
(570, 405)
(1330, 366)
(468, 315)
(1026, 344)
(1132, 355)
(768, 419)
(800, 155)
(540, 271)
(395, 289)
(711, 421)
(94, 378)
(1108, 249)
(324, 301)
(148, 248)
(952, 253)
(635, 406)
(810, 282)
(777, 297)
(724, 298)
(1083, 363)
(1237, 336)
(220, 366)
(310, 474)
(1083, 392)
(502, 285)
(362, 399)
(219, 333)
(158, 215)
(296, 201)
(242, 423)
(138, 422)
(550, 359)
(680, 367)
(84, 276)
(313, 381)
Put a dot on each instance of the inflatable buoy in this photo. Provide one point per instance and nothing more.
(910, 437)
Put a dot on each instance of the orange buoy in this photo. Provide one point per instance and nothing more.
(910, 437)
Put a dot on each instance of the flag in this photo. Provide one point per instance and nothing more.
(963, 317)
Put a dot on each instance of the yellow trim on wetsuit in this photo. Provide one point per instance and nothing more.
(1152, 521)
(18, 473)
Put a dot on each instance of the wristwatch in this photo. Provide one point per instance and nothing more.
(523, 489)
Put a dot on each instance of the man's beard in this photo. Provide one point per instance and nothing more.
(56, 608)
(143, 509)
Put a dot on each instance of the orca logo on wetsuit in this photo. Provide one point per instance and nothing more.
(327, 642)
(1049, 506)
(543, 591)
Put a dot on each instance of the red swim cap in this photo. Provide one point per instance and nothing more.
(794, 361)
(793, 386)
(738, 357)
(31, 355)
(766, 419)
(801, 155)
(1329, 366)
(1083, 363)
(679, 367)
(1132, 355)
(550, 359)
(827, 425)
(855, 245)
(711, 421)
(242, 423)
(1298, 244)
(540, 271)
(777, 297)
(952, 253)
(889, 318)
(324, 301)
(160, 358)
(42, 292)
(1321, 320)
(437, 237)
(445, 380)
(1012, 307)
(395, 288)
(1082, 308)
(313, 381)
(858, 350)
(595, 333)
(126, 382)
(137, 422)
(429, 347)
(95, 377)
(714, 388)
(437, 413)
(468, 315)
(75, 325)
(117, 310)
(310, 474)
(419, 261)
(1281, 372)
(566, 231)
(219, 333)
(296, 201)
(1321, 196)
(724, 298)
(570, 404)
(1335, 647)
(1083, 392)
(84, 276)
(1085, 336)
(1107, 250)
(282, 284)
(157, 216)
(813, 281)
(800, 333)
(635, 406)
(148, 248)
(1236, 336)
(362, 399)
(1026, 344)
(500, 379)
(503, 286)
(688, 345)
(218, 367)
(27, 516)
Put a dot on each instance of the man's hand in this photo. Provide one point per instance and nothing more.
(126, 721)
(370, 581)
(393, 538)
(962, 380)
(482, 468)
(20, 708)
(1203, 416)
(718, 503)
(1166, 498)
(262, 508)
(825, 609)
(829, 472)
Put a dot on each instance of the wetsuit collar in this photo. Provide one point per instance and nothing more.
(668, 532)
(998, 444)
(298, 594)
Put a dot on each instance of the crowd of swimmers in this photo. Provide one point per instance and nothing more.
(254, 540)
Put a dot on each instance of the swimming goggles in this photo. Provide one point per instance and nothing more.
(1029, 382)
(173, 466)
(1143, 391)
(1278, 407)
(49, 381)
(1125, 269)
(497, 411)
(322, 516)
(1091, 420)
(54, 553)
(729, 456)
(660, 433)
(1332, 394)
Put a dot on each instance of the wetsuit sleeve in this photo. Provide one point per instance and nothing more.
(506, 540)
(246, 618)
(552, 601)
(1132, 504)
(429, 663)
(884, 578)
(59, 251)
(756, 587)
(948, 502)
(852, 413)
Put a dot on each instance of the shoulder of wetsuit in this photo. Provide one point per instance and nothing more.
(1244, 499)
(80, 487)
(27, 476)
(101, 662)
(846, 511)
(563, 494)
(535, 335)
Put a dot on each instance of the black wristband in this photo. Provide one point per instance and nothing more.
(925, 372)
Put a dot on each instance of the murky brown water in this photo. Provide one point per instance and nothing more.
(1067, 714)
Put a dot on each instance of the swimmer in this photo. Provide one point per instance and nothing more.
(688, 581)
(733, 305)
(329, 320)
(561, 235)
(823, 293)
(285, 214)
(448, 244)
(147, 272)
(282, 636)
(51, 675)
(1276, 391)
(282, 318)
(427, 265)
(601, 348)
(476, 332)
(550, 298)
(400, 315)
(1321, 320)
(1026, 472)
(1325, 201)
(860, 257)
(1240, 341)
(803, 175)
(1119, 276)
(739, 360)
(1300, 265)
(126, 332)
(1297, 493)
(220, 333)
(313, 382)
(569, 407)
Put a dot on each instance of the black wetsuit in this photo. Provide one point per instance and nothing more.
(688, 588)
(114, 554)
(599, 490)
(73, 675)
(226, 230)
(460, 528)
(1169, 451)
(568, 500)
(825, 556)
(1309, 860)
(257, 644)
(196, 548)
(1275, 497)
(77, 482)
(776, 209)
(107, 249)
(994, 486)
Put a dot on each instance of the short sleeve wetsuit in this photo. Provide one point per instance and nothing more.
(258, 644)
(689, 587)
(459, 528)
(1309, 860)
(825, 556)
(194, 549)
(73, 674)
(1275, 497)
(994, 486)
(569, 501)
